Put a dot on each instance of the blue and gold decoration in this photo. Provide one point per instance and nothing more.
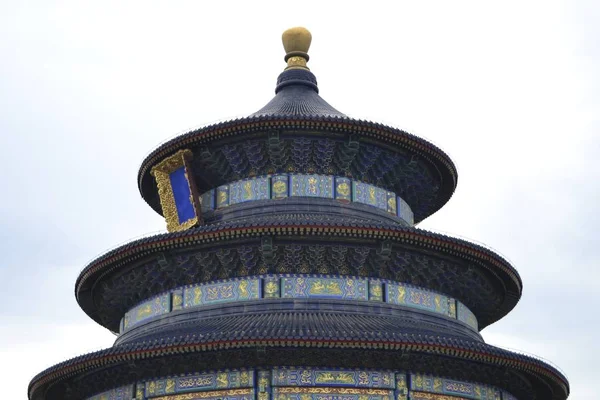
(222, 196)
(221, 292)
(375, 290)
(335, 288)
(369, 194)
(465, 315)
(281, 186)
(302, 383)
(264, 385)
(325, 377)
(177, 192)
(312, 186)
(343, 189)
(200, 383)
(418, 298)
(431, 384)
(298, 286)
(250, 190)
(177, 299)
(401, 392)
(330, 393)
(271, 287)
(120, 393)
(149, 309)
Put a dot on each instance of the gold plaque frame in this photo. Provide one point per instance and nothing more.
(161, 173)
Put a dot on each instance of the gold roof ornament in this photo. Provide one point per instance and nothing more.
(296, 42)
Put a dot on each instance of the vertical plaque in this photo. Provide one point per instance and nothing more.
(177, 192)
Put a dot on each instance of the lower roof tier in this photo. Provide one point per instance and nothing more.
(297, 244)
(244, 347)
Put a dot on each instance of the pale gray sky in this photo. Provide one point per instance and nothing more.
(510, 90)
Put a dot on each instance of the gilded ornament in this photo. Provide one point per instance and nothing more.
(401, 294)
(243, 394)
(343, 189)
(312, 185)
(161, 173)
(170, 386)
(279, 187)
(222, 379)
(372, 195)
(392, 205)
(271, 288)
(244, 377)
(244, 290)
(222, 197)
(332, 390)
(177, 300)
(197, 295)
(247, 190)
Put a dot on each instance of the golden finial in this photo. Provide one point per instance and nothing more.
(296, 42)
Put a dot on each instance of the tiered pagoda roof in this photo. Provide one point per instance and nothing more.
(292, 252)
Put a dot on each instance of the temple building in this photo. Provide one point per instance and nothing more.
(292, 270)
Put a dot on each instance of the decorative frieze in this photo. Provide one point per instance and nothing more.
(335, 288)
(281, 186)
(467, 390)
(221, 292)
(300, 287)
(323, 377)
(303, 383)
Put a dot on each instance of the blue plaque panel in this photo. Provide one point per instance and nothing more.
(177, 192)
(152, 308)
(312, 185)
(249, 190)
(391, 203)
(200, 383)
(417, 298)
(182, 194)
(450, 387)
(369, 194)
(177, 299)
(279, 186)
(343, 189)
(239, 290)
(222, 196)
(375, 291)
(336, 288)
(326, 377)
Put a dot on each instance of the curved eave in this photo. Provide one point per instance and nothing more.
(135, 250)
(449, 347)
(391, 136)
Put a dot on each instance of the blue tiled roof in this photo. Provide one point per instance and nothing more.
(297, 94)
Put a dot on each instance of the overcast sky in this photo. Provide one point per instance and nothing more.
(510, 92)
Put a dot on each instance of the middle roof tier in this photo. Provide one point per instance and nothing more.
(298, 243)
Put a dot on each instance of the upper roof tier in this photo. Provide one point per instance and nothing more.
(299, 132)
